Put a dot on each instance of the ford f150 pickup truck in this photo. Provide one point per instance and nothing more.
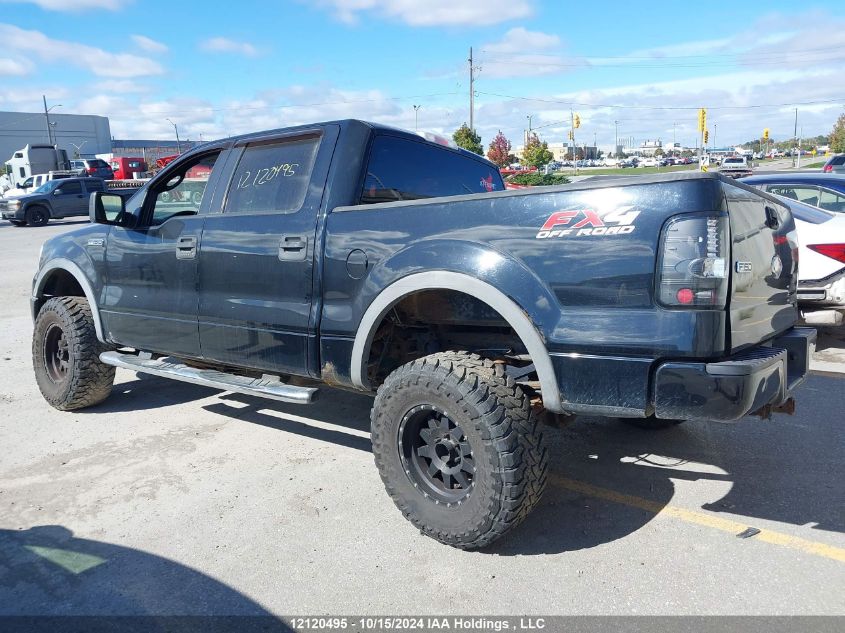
(364, 257)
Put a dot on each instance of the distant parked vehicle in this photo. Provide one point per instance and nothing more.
(124, 167)
(53, 199)
(735, 167)
(826, 191)
(821, 251)
(93, 167)
(835, 164)
(34, 182)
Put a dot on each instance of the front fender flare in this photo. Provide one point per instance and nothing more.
(60, 263)
(516, 317)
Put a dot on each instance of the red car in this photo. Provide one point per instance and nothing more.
(124, 167)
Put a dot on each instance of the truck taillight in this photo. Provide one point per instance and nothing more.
(693, 263)
(834, 251)
(827, 168)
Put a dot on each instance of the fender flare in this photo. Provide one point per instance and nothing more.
(516, 317)
(60, 263)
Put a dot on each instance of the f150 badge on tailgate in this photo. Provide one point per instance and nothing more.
(586, 222)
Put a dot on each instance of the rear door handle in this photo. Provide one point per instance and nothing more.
(293, 248)
(186, 247)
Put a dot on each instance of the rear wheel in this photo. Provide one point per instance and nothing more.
(37, 215)
(66, 355)
(458, 447)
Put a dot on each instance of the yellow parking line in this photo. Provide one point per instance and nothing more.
(700, 518)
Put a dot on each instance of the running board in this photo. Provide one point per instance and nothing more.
(265, 387)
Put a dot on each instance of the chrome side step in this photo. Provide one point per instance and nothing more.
(265, 387)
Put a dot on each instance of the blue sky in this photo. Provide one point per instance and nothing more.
(224, 68)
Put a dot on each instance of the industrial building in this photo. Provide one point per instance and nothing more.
(79, 134)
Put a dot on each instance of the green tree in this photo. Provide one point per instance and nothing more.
(468, 139)
(536, 153)
(500, 150)
(837, 135)
(659, 152)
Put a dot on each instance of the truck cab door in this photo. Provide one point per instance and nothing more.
(149, 300)
(256, 260)
(67, 199)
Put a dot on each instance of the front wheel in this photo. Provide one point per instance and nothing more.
(66, 355)
(458, 447)
(36, 215)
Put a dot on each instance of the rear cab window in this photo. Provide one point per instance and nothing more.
(405, 169)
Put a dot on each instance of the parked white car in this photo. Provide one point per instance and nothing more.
(821, 263)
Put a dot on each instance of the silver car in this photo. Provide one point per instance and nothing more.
(835, 164)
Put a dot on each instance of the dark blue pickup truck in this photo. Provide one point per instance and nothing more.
(365, 257)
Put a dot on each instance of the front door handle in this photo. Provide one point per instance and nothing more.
(293, 248)
(186, 247)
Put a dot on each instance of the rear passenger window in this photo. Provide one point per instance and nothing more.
(807, 195)
(838, 160)
(402, 169)
(272, 177)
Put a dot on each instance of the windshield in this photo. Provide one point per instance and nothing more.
(734, 160)
(48, 186)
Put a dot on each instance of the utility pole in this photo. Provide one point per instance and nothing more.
(528, 132)
(178, 145)
(574, 155)
(795, 134)
(715, 147)
(472, 70)
(416, 118)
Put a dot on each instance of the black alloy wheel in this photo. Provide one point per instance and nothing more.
(436, 454)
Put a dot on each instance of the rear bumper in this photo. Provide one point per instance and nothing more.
(727, 390)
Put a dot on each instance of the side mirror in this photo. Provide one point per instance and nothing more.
(58, 192)
(106, 208)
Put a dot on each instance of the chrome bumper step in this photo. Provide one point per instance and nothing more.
(265, 387)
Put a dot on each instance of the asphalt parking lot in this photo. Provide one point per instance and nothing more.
(175, 499)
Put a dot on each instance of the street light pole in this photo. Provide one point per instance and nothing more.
(616, 139)
(178, 144)
(416, 118)
(47, 117)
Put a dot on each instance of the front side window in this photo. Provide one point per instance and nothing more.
(272, 177)
(182, 192)
(71, 188)
(403, 169)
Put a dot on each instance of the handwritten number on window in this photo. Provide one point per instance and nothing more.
(266, 174)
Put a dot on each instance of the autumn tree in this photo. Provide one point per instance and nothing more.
(468, 139)
(500, 150)
(837, 135)
(536, 153)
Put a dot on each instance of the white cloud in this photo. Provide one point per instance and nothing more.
(148, 44)
(524, 53)
(71, 5)
(225, 45)
(519, 39)
(14, 67)
(432, 12)
(100, 62)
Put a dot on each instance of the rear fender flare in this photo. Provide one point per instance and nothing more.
(516, 317)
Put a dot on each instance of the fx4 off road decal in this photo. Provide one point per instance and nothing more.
(586, 223)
